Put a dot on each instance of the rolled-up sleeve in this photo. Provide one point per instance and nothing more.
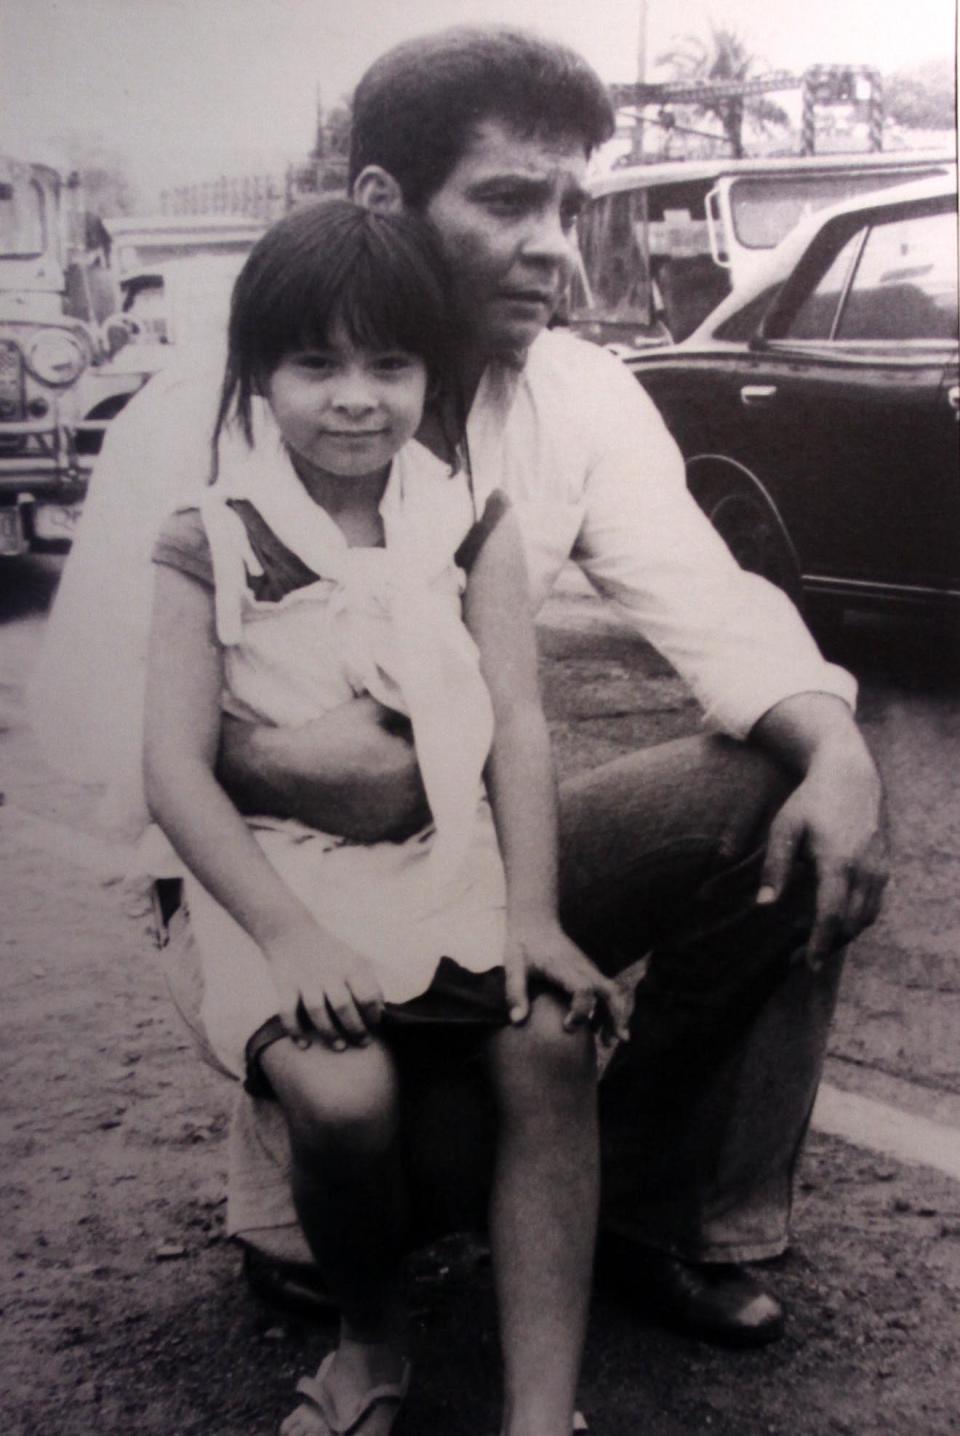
(736, 639)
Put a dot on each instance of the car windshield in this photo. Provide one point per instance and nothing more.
(765, 208)
(22, 220)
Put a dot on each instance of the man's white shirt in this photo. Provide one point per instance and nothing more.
(593, 474)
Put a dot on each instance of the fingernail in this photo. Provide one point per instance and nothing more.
(302, 1042)
(339, 1045)
(766, 894)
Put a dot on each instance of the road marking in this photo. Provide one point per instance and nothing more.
(905, 1136)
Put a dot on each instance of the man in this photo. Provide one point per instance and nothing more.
(742, 862)
(488, 134)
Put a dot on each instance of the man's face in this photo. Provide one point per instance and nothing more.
(506, 217)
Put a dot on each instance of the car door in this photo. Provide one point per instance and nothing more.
(854, 394)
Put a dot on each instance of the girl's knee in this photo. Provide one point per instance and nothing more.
(335, 1103)
(541, 1057)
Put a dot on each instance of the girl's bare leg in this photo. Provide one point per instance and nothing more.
(543, 1214)
(342, 1112)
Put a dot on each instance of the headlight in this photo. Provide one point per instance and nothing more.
(55, 356)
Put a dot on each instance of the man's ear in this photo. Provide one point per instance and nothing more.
(376, 190)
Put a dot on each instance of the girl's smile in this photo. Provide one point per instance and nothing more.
(344, 410)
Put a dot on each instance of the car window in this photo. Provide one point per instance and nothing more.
(905, 286)
(765, 208)
(816, 315)
(741, 327)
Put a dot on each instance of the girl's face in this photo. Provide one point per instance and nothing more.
(346, 411)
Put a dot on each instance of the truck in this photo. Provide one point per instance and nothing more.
(56, 288)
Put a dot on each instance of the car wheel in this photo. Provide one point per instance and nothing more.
(751, 532)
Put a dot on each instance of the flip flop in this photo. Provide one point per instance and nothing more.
(340, 1422)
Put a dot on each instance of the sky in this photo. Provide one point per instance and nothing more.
(189, 89)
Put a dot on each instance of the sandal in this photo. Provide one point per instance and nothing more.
(341, 1423)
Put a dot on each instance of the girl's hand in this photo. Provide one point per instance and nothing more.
(541, 948)
(324, 987)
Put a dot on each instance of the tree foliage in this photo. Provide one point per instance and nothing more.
(723, 57)
(922, 97)
(104, 173)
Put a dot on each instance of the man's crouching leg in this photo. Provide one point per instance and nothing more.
(703, 1115)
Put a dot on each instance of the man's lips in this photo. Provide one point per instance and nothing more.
(528, 296)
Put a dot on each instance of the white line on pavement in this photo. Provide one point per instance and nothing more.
(905, 1136)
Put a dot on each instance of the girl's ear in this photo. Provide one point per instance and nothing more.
(377, 190)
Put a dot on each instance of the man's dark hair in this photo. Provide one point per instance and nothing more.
(415, 108)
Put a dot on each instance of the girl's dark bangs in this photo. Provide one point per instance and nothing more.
(380, 307)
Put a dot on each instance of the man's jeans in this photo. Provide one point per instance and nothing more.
(704, 1112)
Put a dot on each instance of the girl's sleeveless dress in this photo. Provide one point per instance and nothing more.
(308, 624)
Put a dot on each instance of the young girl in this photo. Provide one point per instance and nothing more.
(319, 570)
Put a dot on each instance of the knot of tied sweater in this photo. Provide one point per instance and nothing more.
(426, 664)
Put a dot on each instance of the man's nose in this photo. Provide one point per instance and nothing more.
(548, 241)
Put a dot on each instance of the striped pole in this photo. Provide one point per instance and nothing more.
(875, 120)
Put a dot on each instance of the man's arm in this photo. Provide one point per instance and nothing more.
(744, 650)
(352, 772)
(833, 818)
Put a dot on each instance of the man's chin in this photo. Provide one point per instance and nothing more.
(509, 345)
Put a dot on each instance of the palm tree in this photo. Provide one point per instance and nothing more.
(724, 57)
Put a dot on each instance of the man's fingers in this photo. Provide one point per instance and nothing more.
(876, 888)
(828, 928)
(866, 899)
(782, 847)
(620, 1001)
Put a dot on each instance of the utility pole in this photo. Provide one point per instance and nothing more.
(636, 154)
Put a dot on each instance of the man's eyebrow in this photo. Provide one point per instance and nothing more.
(526, 184)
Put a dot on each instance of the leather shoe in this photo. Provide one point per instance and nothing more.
(721, 1303)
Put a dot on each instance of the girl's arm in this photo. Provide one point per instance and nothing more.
(313, 970)
(520, 783)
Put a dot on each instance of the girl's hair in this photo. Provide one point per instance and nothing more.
(380, 277)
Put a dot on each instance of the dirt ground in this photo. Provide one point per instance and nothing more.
(123, 1308)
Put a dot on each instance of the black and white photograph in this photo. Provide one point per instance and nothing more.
(479, 718)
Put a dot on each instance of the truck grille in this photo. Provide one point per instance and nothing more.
(11, 381)
(11, 395)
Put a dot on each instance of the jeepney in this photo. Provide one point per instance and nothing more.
(55, 288)
(662, 244)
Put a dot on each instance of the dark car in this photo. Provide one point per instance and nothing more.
(818, 409)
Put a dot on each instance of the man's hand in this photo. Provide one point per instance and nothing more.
(352, 772)
(540, 948)
(834, 819)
